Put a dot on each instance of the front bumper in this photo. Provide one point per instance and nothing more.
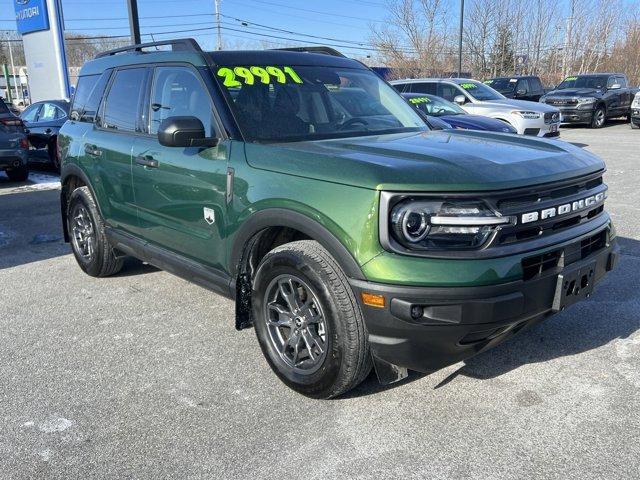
(457, 323)
(576, 115)
(13, 158)
(635, 116)
(537, 128)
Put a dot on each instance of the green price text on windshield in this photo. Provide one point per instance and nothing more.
(468, 86)
(237, 76)
(418, 100)
(570, 79)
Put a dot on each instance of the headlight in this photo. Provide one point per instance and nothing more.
(420, 224)
(636, 102)
(526, 114)
(585, 100)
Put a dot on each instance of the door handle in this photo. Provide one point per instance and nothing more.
(92, 150)
(147, 161)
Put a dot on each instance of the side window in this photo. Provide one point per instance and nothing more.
(87, 97)
(622, 81)
(536, 85)
(611, 81)
(523, 84)
(448, 92)
(30, 114)
(123, 100)
(178, 91)
(424, 87)
(49, 113)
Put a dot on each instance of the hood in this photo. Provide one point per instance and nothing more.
(477, 122)
(520, 104)
(575, 92)
(444, 160)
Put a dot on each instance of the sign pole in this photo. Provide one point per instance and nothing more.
(5, 72)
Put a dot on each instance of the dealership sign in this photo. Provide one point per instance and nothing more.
(31, 15)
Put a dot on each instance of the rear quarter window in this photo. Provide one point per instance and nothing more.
(86, 100)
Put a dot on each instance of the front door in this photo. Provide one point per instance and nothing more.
(180, 192)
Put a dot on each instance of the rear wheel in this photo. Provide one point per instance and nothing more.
(19, 174)
(599, 118)
(93, 252)
(307, 321)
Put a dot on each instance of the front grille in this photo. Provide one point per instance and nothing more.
(531, 131)
(562, 102)
(550, 198)
(538, 264)
(551, 117)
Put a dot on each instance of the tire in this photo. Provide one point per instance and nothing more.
(306, 268)
(20, 174)
(52, 149)
(89, 244)
(599, 118)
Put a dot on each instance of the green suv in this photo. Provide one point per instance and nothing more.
(301, 185)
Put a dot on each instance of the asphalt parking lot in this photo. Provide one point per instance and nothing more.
(142, 375)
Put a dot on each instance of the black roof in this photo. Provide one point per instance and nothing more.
(281, 57)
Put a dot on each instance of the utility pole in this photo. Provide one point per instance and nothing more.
(134, 21)
(217, 5)
(460, 38)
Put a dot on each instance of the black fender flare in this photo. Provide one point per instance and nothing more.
(280, 217)
(69, 170)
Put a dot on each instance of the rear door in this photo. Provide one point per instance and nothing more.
(180, 192)
(108, 147)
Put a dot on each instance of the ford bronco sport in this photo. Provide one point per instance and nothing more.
(346, 239)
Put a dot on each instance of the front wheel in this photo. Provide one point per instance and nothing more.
(308, 322)
(599, 118)
(89, 243)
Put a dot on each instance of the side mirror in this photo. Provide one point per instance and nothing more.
(184, 132)
(615, 86)
(460, 99)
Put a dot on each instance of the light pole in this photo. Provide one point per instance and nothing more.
(460, 38)
(134, 21)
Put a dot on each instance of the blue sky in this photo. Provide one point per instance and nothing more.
(342, 20)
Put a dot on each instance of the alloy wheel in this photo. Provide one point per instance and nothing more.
(296, 324)
(83, 234)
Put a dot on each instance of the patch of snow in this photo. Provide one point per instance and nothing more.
(55, 425)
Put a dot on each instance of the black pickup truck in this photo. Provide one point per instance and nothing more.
(518, 87)
(592, 98)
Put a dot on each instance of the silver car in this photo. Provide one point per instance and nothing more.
(528, 118)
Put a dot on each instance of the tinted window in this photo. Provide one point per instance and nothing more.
(424, 87)
(178, 91)
(586, 81)
(123, 100)
(479, 91)
(523, 84)
(622, 81)
(88, 95)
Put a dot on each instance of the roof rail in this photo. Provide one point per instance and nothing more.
(325, 50)
(177, 45)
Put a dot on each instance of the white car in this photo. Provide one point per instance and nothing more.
(635, 111)
(528, 118)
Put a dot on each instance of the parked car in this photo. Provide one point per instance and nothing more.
(528, 118)
(635, 111)
(14, 147)
(12, 108)
(592, 98)
(438, 110)
(346, 241)
(43, 121)
(518, 87)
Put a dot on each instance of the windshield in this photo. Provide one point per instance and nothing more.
(503, 85)
(435, 106)
(480, 91)
(587, 81)
(297, 103)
